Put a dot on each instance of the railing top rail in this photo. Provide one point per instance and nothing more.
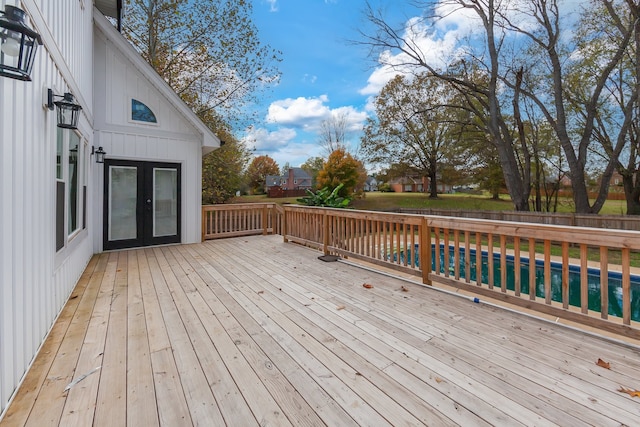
(613, 238)
(238, 206)
(358, 214)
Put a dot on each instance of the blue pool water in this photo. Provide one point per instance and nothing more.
(593, 274)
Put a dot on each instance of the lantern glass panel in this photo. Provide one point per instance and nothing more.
(18, 45)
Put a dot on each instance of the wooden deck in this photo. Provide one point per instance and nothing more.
(253, 331)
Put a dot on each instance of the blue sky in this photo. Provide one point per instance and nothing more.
(322, 73)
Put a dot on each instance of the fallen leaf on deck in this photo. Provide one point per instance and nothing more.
(603, 364)
(439, 380)
(261, 292)
(367, 285)
(404, 289)
(340, 307)
(630, 392)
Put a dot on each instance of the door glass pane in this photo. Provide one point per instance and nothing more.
(165, 202)
(123, 196)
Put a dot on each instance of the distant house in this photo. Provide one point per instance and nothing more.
(296, 179)
(371, 184)
(408, 184)
(416, 184)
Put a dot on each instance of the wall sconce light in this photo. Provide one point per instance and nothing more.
(18, 44)
(68, 111)
(100, 153)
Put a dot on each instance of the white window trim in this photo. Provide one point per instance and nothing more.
(83, 165)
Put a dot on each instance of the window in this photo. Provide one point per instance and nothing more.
(71, 185)
(141, 113)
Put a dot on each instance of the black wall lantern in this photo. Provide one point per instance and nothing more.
(68, 111)
(18, 44)
(100, 153)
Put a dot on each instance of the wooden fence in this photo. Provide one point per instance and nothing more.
(619, 222)
(586, 275)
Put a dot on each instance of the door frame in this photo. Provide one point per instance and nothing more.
(144, 203)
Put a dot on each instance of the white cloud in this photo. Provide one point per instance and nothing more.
(303, 113)
(307, 114)
(309, 78)
(273, 5)
(291, 134)
(266, 141)
(437, 46)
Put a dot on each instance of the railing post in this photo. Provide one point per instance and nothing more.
(425, 252)
(284, 224)
(204, 223)
(264, 219)
(325, 228)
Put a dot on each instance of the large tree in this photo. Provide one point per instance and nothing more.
(616, 123)
(208, 51)
(333, 133)
(554, 62)
(540, 73)
(483, 95)
(257, 172)
(415, 125)
(223, 169)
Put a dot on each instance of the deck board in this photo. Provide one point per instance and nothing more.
(253, 331)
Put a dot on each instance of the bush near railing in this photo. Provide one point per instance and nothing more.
(395, 240)
(619, 222)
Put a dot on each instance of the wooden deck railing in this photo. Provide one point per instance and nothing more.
(219, 221)
(580, 274)
(574, 268)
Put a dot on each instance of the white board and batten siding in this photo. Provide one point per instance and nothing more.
(35, 280)
(178, 137)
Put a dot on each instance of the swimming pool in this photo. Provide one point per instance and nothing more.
(593, 278)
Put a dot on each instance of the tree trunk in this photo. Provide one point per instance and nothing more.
(632, 194)
(433, 184)
(519, 194)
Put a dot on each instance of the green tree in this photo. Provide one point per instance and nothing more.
(257, 172)
(415, 125)
(222, 170)
(312, 166)
(342, 168)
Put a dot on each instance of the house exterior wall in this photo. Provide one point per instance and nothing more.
(173, 139)
(35, 279)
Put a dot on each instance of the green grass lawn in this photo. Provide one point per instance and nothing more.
(376, 201)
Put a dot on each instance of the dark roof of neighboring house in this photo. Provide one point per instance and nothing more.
(299, 174)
